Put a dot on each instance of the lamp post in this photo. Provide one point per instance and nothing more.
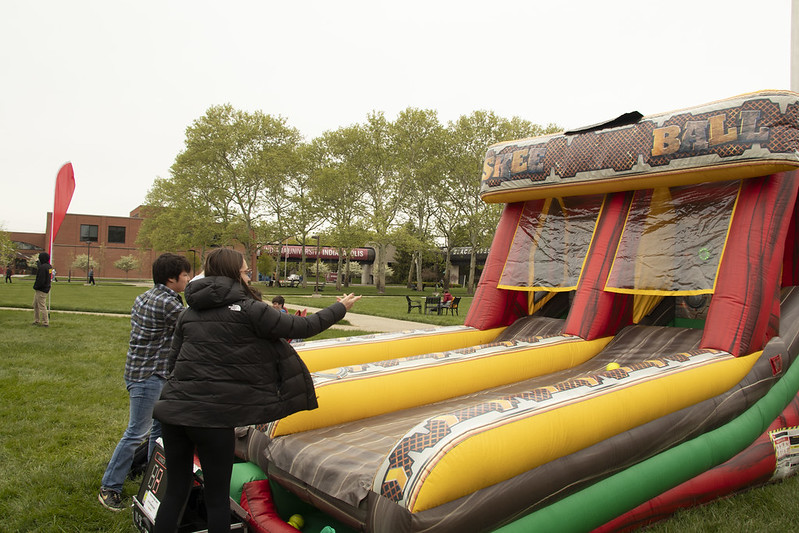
(316, 287)
(86, 237)
(285, 249)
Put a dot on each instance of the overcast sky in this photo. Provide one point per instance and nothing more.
(111, 86)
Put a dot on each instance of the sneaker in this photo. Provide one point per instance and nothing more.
(34, 324)
(110, 499)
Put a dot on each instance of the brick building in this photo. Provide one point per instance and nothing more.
(105, 239)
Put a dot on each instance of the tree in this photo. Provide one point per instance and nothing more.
(266, 264)
(84, 262)
(469, 138)
(374, 164)
(126, 263)
(220, 184)
(304, 213)
(336, 190)
(7, 250)
(418, 140)
(179, 216)
(448, 224)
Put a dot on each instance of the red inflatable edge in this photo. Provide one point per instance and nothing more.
(262, 517)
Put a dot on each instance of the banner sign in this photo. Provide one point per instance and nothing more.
(64, 187)
(293, 251)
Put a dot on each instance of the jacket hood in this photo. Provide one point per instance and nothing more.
(44, 257)
(213, 291)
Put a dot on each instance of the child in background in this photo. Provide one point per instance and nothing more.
(278, 302)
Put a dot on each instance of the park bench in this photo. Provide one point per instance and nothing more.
(413, 304)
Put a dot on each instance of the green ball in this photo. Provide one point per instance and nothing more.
(297, 521)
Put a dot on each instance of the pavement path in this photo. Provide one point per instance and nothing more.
(374, 324)
(369, 322)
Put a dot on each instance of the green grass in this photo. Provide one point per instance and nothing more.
(392, 304)
(118, 298)
(107, 298)
(772, 507)
(384, 306)
(63, 407)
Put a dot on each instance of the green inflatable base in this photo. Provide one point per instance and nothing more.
(614, 496)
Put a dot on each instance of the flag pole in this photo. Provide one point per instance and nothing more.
(50, 244)
(50, 247)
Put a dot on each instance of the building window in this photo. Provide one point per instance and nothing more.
(19, 245)
(116, 234)
(88, 233)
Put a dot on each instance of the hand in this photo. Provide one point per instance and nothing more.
(348, 300)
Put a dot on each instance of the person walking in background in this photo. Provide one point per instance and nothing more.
(42, 286)
(9, 272)
(91, 276)
(152, 325)
(229, 366)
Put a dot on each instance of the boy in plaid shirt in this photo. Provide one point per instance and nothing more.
(152, 324)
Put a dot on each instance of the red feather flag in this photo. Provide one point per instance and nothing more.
(64, 187)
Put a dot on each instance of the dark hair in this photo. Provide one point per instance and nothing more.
(226, 262)
(279, 300)
(169, 266)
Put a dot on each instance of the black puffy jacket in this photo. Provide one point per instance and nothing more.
(230, 364)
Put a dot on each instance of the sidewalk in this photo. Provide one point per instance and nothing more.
(374, 324)
(371, 323)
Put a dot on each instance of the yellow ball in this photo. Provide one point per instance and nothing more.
(612, 366)
(297, 521)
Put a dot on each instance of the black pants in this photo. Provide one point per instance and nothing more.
(215, 448)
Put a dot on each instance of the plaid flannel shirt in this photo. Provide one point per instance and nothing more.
(152, 325)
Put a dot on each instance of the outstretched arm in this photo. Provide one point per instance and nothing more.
(348, 300)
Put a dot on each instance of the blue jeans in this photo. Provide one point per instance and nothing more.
(143, 395)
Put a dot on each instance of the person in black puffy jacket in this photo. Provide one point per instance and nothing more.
(230, 366)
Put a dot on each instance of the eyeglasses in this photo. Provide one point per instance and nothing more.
(248, 272)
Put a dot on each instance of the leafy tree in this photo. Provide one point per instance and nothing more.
(246, 177)
(219, 191)
(336, 190)
(304, 213)
(448, 224)
(7, 249)
(266, 264)
(384, 189)
(126, 263)
(178, 217)
(354, 269)
(408, 246)
(419, 143)
(84, 262)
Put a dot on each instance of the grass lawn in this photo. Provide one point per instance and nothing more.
(63, 407)
(118, 298)
(107, 298)
(773, 507)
